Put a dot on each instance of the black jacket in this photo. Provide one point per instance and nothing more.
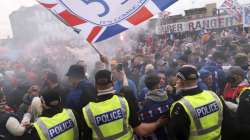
(15, 98)
(243, 116)
(4, 133)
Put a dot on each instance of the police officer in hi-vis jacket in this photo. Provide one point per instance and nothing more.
(55, 123)
(198, 114)
(113, 116)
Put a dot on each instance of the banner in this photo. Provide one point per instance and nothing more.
(200, 24)
(246, 16)
(98, 20)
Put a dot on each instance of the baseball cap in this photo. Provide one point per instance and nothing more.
(103, 77)
(204, 73)
(187, 72)
(76, 71)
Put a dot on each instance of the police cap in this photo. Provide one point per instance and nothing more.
(187, 72)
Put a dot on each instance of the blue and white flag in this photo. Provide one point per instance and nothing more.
(246, 16)
(232, 7)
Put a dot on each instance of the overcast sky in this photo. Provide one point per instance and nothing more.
(8, 6)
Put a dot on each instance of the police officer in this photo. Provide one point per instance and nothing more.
(197, 114)
(55, 122)
(243, 114)
(112, 116)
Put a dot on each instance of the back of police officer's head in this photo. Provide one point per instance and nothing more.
(187, 76)
(51, 99)
(103, 80)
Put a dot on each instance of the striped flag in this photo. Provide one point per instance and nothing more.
(165, 14)
(232, 7)
(98, 20)
(246, 16)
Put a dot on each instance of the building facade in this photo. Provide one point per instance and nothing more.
(37, 23)
(207, 17)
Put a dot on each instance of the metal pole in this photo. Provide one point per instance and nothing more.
(95, 48)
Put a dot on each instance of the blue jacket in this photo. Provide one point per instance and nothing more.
(151, 111)
(143, 94)
(141, 84)
(202, 85)
(81, 95)
(218, 75)
(118, 85)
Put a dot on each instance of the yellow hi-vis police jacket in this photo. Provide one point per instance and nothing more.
(109, 120)
(61, 126)
(205, 112)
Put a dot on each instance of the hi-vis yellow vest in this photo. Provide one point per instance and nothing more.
(205, 112)
(109, 120)
(61, 126)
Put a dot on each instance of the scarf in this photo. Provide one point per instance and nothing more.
(157, 95)
(106, 91)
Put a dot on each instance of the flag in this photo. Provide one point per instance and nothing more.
(246, 16)
(98, 20)
(232, 7)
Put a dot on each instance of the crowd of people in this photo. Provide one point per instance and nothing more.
(168, 87)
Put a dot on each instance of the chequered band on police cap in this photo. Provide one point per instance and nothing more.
(181, 76)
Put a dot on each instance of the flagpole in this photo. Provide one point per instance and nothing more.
(61, 19)
(243, 18)
(93, 46)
